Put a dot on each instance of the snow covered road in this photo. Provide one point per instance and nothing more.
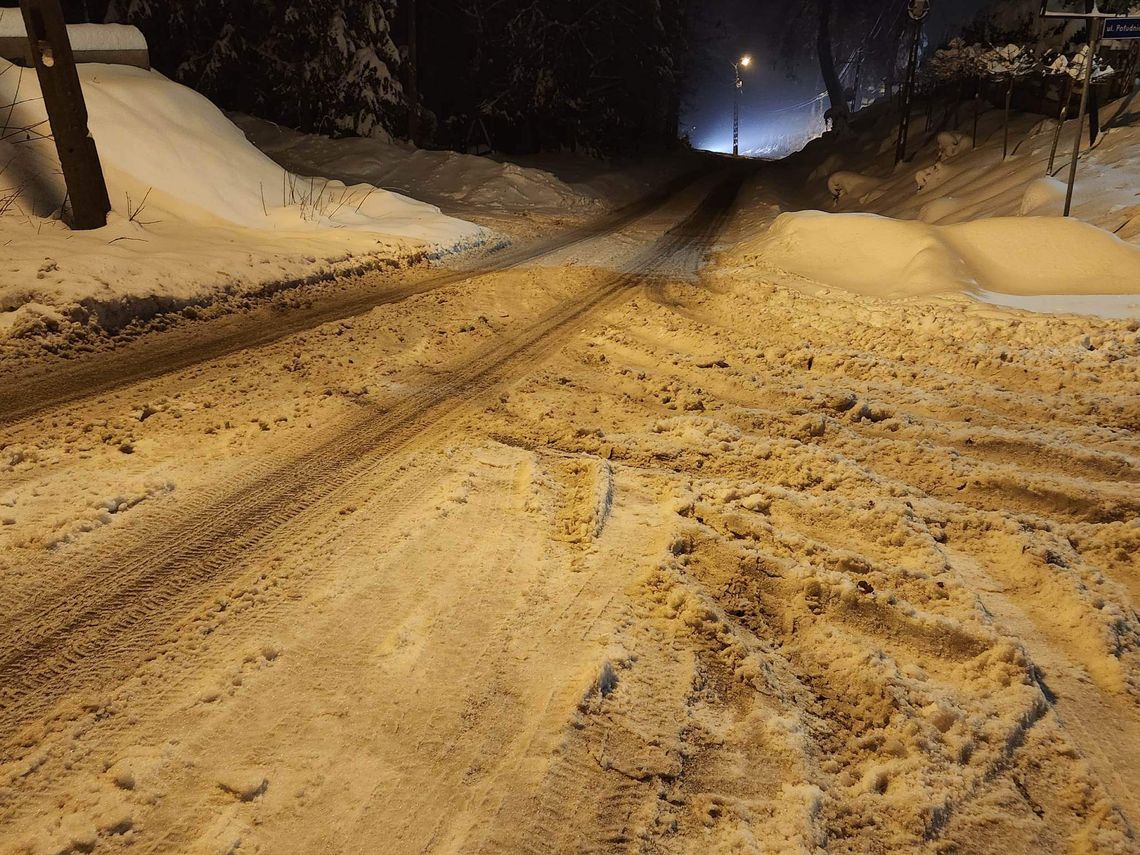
(597, 552)
(41, 384)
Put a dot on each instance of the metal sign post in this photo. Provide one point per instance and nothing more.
(67, 112)
(918, 11)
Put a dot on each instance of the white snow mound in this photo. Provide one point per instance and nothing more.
(444, 176)
(874, 255)
(159, 137)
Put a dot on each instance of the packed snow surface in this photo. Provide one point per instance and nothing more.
(531, 564)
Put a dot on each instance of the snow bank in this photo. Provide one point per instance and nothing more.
(874, 255)
(852, 184)
(197, 210)
(159, 138)
(445, 177)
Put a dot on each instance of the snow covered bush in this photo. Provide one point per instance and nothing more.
(854, 184)
(1075, 66)
(957, 62)
(1009, 61)
(951, 144)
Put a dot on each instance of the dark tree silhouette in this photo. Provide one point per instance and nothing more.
(863, 33)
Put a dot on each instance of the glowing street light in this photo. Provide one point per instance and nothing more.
(744, 62)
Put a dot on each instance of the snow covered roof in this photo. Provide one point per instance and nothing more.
(116, 44)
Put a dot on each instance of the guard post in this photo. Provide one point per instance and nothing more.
(67, 113)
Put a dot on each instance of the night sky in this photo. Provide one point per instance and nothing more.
(726, 29)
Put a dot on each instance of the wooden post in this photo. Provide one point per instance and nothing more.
(67, 113)
(1096, 29)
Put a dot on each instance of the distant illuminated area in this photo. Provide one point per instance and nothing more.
(767, 134)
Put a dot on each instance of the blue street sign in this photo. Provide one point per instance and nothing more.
(1122, 28)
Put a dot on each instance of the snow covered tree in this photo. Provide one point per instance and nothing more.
(604, 77)
(1009, 63)
(319, 65)
(333, 63)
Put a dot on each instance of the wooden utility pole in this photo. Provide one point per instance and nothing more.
(67, 113)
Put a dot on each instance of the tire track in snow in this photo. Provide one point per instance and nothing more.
(114, 615)
(37, 393)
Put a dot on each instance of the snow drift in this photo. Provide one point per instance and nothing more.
(159, 138)
(198, 211)
(874, 255)
(440, 175)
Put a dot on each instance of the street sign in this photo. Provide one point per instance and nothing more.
(918, 9)
(1122, 28)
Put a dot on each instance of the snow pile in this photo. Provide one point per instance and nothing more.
(962, 218)
(158, 137)
(879, 256)
(197, 209)
(443, 176)
(853, 185)
(972, 179)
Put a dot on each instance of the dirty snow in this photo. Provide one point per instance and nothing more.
(723, 567)
(797, 546)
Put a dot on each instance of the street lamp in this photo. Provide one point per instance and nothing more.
(743, 62)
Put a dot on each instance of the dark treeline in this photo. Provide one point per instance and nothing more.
(521, 75)
(551, 73)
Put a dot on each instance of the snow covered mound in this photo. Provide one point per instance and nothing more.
(442, 176)
(199, 214)
(165, 142)
(875, 255)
